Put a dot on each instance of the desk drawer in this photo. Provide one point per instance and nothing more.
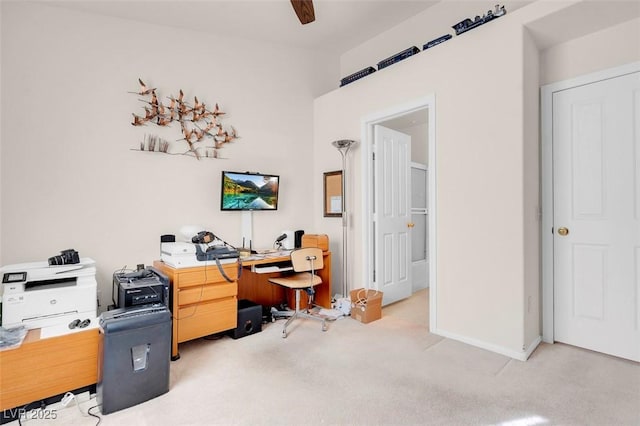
(205, 275)
(207, 318)
(205, 292)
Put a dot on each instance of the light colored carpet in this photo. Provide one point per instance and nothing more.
(389, 372)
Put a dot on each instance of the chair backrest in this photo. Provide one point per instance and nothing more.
(306, 259)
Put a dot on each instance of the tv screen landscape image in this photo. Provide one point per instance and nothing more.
(249, 191)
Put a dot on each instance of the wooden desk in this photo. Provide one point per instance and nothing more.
(256, 287)
(42, 368)
(203, 302)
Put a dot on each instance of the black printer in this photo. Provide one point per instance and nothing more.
(142, 287)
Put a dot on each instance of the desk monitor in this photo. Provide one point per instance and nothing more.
(249, 191)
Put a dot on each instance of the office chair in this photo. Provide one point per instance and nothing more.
(305, 262)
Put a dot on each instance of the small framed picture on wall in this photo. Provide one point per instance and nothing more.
(333, 194)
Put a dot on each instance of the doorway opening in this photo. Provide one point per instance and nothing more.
(417, 118)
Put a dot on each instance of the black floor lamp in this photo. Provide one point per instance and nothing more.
(343, 146)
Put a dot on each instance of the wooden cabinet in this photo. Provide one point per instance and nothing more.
(42, 368)
(203, 302)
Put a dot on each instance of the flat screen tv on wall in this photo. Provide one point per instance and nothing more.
(249, 191)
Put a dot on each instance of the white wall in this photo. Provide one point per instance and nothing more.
(479, 172)
(419, 137)
(531, 188)
(70, 178)
(604, 49)
(1, 209)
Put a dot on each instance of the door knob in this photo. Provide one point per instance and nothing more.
(410, 225)
(563, 231)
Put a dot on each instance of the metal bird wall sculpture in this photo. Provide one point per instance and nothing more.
(201, 129)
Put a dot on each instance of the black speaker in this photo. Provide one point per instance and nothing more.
(249, 319)
(298, 238)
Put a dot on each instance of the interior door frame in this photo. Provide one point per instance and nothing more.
(427, 104)
(546, 104)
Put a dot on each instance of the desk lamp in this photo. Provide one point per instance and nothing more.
(343, 146)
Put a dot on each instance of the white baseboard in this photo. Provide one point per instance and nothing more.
(518, 355)
(532, 347)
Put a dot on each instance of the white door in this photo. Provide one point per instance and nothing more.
(419, 212)
(596, 196)
(392, 213)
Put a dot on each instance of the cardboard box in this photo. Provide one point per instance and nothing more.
(316, 240)
(366, 305)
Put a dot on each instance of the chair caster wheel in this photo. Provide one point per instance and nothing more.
(324, 328)
(284, 334)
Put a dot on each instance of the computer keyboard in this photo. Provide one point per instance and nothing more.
(270, 267)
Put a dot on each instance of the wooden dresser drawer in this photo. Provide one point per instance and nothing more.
(207, 318)
(208, 274)
(203, 301)
(202, 293)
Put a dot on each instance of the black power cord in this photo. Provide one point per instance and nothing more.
(94, 415)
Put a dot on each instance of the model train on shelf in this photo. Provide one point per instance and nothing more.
(467, 24)
(357, 75)
(398, 57)
(460, 28)
(436, 41)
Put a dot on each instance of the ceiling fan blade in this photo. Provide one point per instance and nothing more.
(304, 10)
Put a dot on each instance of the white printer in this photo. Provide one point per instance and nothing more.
(179, 255)
(185, 255)
(37, 295)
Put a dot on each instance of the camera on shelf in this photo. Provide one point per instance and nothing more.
(66, 257)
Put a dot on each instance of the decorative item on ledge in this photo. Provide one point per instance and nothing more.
(151, 142)
(154, 143)
(203, 134)
(437, 41)
(460, 28)
(398, 57)
(357, 75)
(467, 24)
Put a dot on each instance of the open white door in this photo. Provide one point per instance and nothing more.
(392, 217)
(596, 199)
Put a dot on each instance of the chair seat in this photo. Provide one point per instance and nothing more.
(299, 280)
(303, 260)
